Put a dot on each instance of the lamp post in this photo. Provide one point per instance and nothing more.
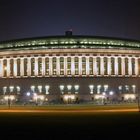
(111, 93)
(8, 97)
(138, 103)
(103, 98)
(9, 101)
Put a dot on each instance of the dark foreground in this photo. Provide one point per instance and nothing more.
(69, 125)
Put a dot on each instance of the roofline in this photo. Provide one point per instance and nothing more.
(70, 37)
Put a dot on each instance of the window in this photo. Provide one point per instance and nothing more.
(91, 66)
(69, 66)
(76, 60)
(76, 87)
(47, 87)
(83, 66)
(91, 87)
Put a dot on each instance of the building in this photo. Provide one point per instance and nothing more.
(69, 69)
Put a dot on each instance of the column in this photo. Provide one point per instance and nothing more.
(1, 68)
(28, 66)
(50, 66)
(95, 72)
(36, 67)
(8, 67)
(87, 66)
(116, 66)
(136, 66)
(129, 66)
(15, 67)
(21, 66)
(72, 66)
(43, 66)
(65, 66)
(58, 66)
(109, 66)
(123, 66)
(101, 65)
(80, 66)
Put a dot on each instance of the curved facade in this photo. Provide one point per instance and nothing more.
(67, 69)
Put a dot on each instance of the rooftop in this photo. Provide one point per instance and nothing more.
(69, 41)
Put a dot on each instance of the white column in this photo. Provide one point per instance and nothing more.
(50, 65)
(28, 66)
(80, 66)
(36, 67)
(116, 66)
(58, 66)
(15, 67)
(109, 66)
(136, 66)
(65, 66)
(1, 68)
(130, 66)
(21, 66)
(87, 66)
(43, 66)
(95, 65)
(101, 65)
(8, 67)
(123, 66)
(72, 66)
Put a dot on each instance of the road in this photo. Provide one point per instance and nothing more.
(67, 111)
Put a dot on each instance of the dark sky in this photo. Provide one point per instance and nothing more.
(34, 18)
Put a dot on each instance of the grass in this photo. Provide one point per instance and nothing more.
(72, 107)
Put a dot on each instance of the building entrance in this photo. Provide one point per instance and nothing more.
(69, 98)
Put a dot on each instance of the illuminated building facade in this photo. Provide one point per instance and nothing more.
(67, 69)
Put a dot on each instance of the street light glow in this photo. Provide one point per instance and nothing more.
(28, 94)
(61, 87)
(99, 96)
(66, 97)
(129, 96)
(111, 93)
(11, 97)
(69, 87)
(76, 87)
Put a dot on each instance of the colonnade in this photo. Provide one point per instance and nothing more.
(69, 65)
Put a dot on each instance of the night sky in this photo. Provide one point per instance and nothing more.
(35, 18)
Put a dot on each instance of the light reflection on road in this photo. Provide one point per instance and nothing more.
(66, 111)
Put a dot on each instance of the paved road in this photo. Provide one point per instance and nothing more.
(67, 111)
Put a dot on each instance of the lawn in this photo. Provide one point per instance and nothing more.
(71, 107)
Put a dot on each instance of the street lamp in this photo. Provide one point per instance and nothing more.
(138, 103)
(111, 93)
(28, 93)
(103, 98)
